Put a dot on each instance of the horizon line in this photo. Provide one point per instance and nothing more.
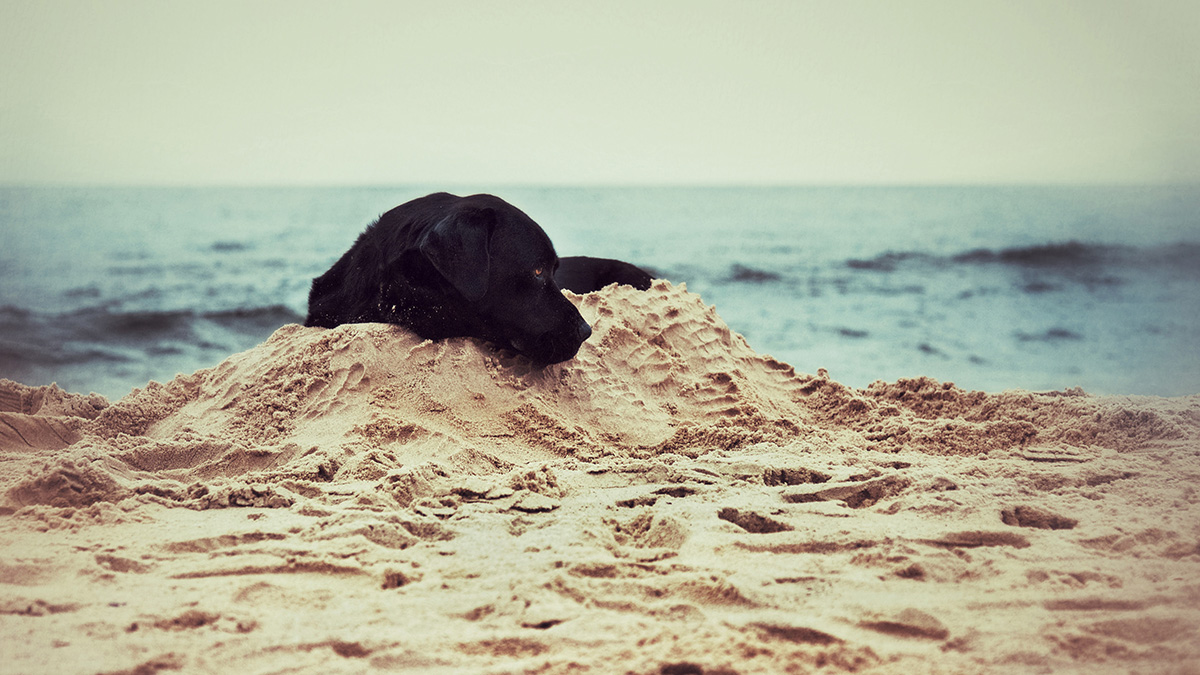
(595, 185)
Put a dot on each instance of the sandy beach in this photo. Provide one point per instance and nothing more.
(669, 501)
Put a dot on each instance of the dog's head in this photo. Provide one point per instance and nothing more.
(502, 266)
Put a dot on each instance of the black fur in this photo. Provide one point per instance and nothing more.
(581, 274)
(447, 266)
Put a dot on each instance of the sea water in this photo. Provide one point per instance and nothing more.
(1042, 288)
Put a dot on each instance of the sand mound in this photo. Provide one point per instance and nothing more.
(668, 501)
(661, 374)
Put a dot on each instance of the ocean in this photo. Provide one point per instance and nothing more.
(1042, 288)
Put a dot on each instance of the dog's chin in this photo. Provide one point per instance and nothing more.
(546, 351)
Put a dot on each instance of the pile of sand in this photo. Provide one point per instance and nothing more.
(668, 501)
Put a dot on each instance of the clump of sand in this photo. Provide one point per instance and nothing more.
(667, 501)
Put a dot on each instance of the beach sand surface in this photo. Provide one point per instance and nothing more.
(669, 501)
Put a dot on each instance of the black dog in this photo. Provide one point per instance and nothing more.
(447, 266)
(581, 274)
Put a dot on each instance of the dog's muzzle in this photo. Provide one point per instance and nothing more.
(555, 346)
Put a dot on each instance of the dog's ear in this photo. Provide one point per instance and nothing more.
(457, 247)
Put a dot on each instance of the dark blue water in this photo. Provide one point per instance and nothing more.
(104, 289)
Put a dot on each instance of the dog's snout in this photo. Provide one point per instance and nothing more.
(583, 331)
(558, 345)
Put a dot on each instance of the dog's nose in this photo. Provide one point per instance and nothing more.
(583, 330)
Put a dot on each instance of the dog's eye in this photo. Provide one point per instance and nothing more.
(539, 272)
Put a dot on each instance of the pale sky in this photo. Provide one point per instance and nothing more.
(597, 92)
